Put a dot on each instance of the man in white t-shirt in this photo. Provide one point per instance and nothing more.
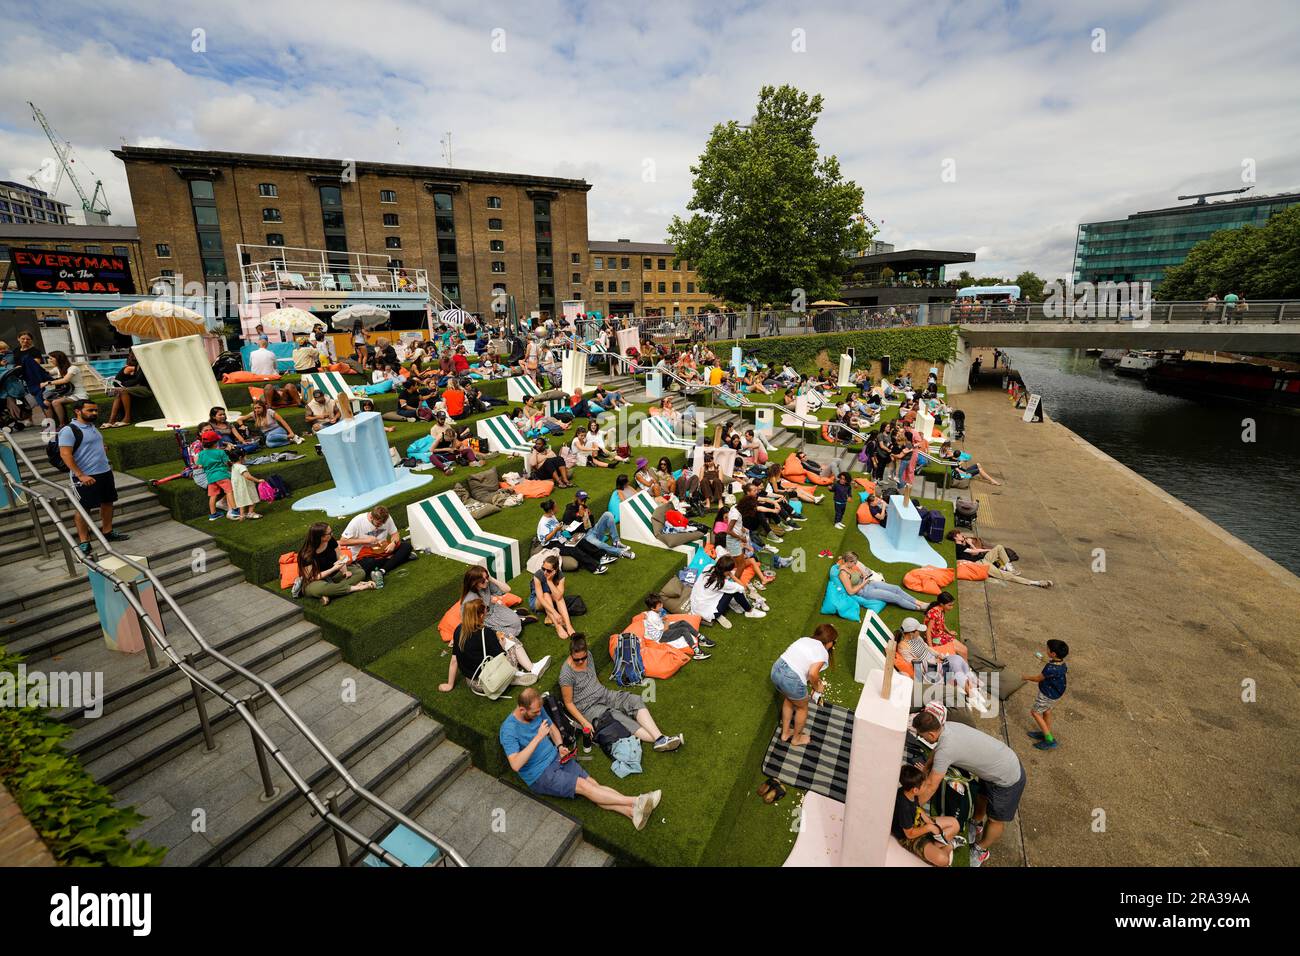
(262, 361)
(376, 544)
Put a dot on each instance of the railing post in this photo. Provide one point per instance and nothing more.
(339, 843)
(269, 790)
(67, 553)
(145, 630)
(36, 520)
(209, 745)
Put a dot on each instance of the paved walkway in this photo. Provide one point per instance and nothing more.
(1178, 732)
(19, 844)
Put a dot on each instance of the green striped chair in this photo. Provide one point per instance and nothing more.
(873, 636)
(657, 432)
(332, 384)
(502, 436)
(441, 525)
(635, 523)
(519, 387)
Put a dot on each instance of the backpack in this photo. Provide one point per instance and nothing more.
(52, 448)
(629, 668)
(933, 525)
(279, 489)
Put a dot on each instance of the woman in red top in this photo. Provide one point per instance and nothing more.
(942, 641)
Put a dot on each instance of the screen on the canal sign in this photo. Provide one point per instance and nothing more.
(45, 270)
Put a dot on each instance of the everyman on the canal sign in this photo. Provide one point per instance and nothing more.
(45, 270)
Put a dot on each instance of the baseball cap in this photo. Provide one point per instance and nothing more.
(912, 624)
(641, 462)
(582, 496)
(208, 436)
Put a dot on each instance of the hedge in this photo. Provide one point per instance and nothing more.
(76, 817)
(932, 343)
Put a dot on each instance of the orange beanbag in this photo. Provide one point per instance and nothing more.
(928, 580)
(793, 470)
(531, 488)
(340, 367)
(864, 514)
(746, 574)
(288, 569)
(972, 571)
(237, 378)
(903, 666)
(867, 484)
(661, 660)
(451, 620)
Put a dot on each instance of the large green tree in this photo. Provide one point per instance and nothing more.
(1259, 262)
(1031, 286)
(769, 215)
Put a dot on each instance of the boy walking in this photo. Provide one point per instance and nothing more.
(1051, 688)
(842, 489)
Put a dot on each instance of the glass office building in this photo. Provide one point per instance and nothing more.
(1144, 246)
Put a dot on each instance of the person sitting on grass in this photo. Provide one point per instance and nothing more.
(797, 671)
(323, 573)
(588, 449)
(215, 464)
(676, 633)
(478, 585)
(877, 506)
(450, 441)
(551, 533)
(1051, 688)
(995, 558)
(323, 411)
(127, 384)
(474, 642)
(545, 464)
(915, 829)
(375, 543)
(537, 418)
(597, 530)
(546, 596)
(244, 495)
(926, 664)
(608, 400)
(587, 700)
(228, 432)
(716, 590)
(962, 466)
(282, 395)
(863, 584)
(267, 422)
(535, 750)
(942, 640)
(752, 447)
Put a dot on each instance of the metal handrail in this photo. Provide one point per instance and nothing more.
(197, 680)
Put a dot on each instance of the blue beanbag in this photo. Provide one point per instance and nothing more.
(843, 604)
(700, 560)
(420, 448)
(614, 502)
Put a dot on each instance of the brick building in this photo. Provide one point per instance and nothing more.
(640, 278)
(477, 234)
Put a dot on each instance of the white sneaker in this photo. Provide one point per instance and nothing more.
(772, 537)
(817, 499)
(840, 525)
(755, 612)
(1009, 568)
(540, 666)
(722, 621)
(654, 797)
(639, 811)
(772, 549)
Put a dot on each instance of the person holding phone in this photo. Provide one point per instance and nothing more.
(535, 751)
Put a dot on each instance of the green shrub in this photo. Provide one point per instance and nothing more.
(931, 343)
(76, 817)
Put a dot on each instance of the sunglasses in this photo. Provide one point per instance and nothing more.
(580, 660)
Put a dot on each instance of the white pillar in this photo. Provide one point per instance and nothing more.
(956, 374)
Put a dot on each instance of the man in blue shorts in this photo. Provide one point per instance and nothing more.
(81, 446)
(534, 748)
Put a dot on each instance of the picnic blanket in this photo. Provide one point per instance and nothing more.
(823, 765)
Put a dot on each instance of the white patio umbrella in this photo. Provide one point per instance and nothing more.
(457, 316)
(157, 319)
(291, 321)
(370, 317)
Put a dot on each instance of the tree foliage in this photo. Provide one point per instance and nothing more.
(768, 214)
(1259, 262)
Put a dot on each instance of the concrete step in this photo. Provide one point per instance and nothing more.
(42, 642)
(158, 745)
(289, 829)
(583, 853)
(136, 710)
(32, 582)
(130, 492)
(64, 606)
(19, 543)
(408, 772)
(223, 789)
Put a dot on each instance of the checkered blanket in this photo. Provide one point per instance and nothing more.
(823, 765)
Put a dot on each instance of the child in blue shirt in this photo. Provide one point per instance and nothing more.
(1051, 688)
(842, 489)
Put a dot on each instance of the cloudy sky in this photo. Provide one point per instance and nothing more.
(1050, 113)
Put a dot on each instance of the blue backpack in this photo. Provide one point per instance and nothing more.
(629, 668)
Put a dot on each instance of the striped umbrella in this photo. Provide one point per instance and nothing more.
(291, 321)
(157, 319)
(455, 316)
(370, 317)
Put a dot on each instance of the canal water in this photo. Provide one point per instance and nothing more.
(1194, 450)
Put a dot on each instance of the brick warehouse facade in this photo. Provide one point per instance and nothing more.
(639, 278)
(473, 231)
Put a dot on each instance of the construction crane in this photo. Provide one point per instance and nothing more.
(1200, 197)
(95, 209)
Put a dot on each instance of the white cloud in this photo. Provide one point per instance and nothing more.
(1044, 132)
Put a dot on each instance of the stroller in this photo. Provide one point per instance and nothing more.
(15, 413)
(965, 512)
(958, 425)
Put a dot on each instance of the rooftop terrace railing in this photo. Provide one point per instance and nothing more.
(155, 639)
